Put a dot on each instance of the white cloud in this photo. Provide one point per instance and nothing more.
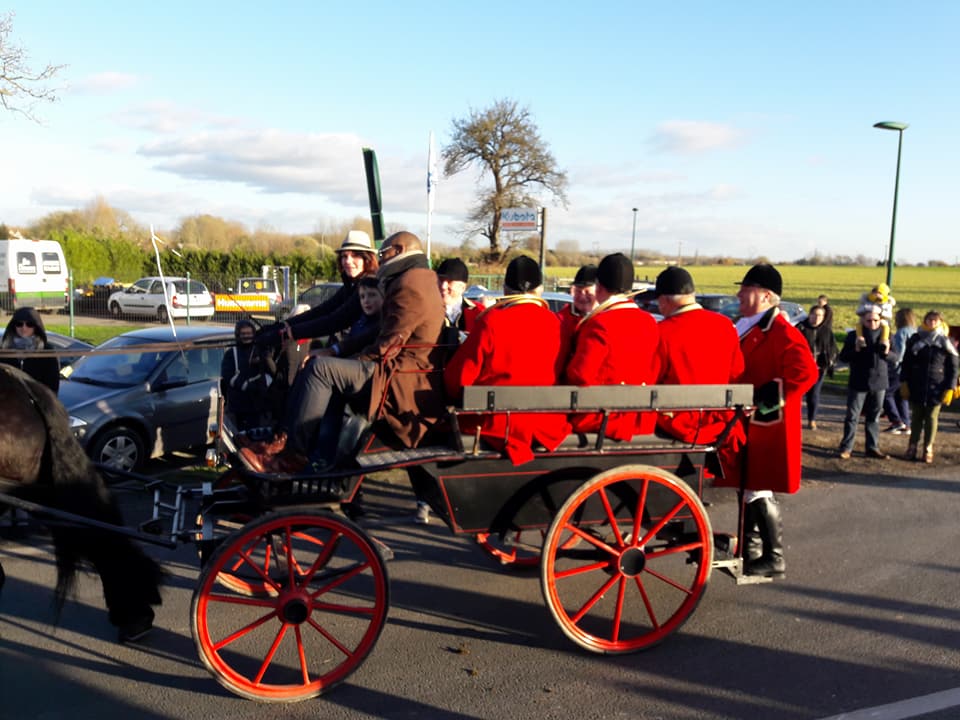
(691, 137)
(270, 161)
(105, 83)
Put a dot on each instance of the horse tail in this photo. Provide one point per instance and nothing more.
(131, 579)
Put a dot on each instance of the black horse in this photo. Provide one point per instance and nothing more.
(42, 462)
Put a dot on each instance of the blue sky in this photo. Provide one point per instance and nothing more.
(735, 128)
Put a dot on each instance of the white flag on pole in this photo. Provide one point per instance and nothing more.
(431, 187)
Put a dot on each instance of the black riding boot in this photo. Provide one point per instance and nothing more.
(752, 544)
(771, 562)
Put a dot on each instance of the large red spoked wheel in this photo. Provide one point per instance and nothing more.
(642, 564)
(290, 605)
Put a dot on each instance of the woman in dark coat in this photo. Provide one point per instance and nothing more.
(928, 377)
(25, 331)
(823, 345)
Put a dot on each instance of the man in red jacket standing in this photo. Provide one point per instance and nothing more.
(616, 344)
(697, 347)
(515, 342)
(779, 365)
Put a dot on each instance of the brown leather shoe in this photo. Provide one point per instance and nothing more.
(270, 447)
(254, 460)
(876, 454)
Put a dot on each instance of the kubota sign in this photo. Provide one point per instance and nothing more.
(518, 219)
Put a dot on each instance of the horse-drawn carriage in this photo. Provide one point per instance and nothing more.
(293, 594)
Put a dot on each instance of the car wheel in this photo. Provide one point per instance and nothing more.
(115, 309)
(162, 314)
(119, 447)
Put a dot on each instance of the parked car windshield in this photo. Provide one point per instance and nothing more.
(196, 287)
(121, 370)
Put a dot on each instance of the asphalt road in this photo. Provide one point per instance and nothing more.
(867, 615)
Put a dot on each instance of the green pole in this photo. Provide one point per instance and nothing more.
(70, 303)
(899, 127)
(893, 222)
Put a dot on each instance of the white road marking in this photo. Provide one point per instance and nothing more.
(914, 707)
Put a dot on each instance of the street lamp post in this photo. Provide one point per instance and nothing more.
(633, 238)
(899, 127)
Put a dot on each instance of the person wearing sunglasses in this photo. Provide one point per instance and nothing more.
(25, 332)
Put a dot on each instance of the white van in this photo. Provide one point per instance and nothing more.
(33, 273)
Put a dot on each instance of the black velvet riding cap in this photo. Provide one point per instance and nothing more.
(453, 269)
(674, 281)
(523, 274)
(616, 273)
(763, 276)
(587, 275)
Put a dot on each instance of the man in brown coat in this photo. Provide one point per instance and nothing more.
(395, 369)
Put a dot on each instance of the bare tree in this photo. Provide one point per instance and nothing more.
(21, 88)
(504, 141)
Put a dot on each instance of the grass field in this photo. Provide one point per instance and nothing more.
(920, 288)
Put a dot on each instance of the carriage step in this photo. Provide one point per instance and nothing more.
(402, 457)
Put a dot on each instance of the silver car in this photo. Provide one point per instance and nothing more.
(125, 408)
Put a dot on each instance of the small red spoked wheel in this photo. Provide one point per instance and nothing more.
(290, 605)
(641, 566)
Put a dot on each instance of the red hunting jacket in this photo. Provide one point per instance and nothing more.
(773, 349)
(515, 342)
(616, 344)
(697, 347)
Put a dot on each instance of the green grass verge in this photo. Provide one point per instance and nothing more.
(93, 334)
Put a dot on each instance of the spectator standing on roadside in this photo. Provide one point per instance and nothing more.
(824, 348)
(824, 302)
(929, 380)
(865, 350)
(246, 373)
(895, 405)
(25, 332)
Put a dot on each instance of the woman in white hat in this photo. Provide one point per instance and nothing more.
(356, 258)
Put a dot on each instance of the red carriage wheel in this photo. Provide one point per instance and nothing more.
(641, 566)
(290, 605)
